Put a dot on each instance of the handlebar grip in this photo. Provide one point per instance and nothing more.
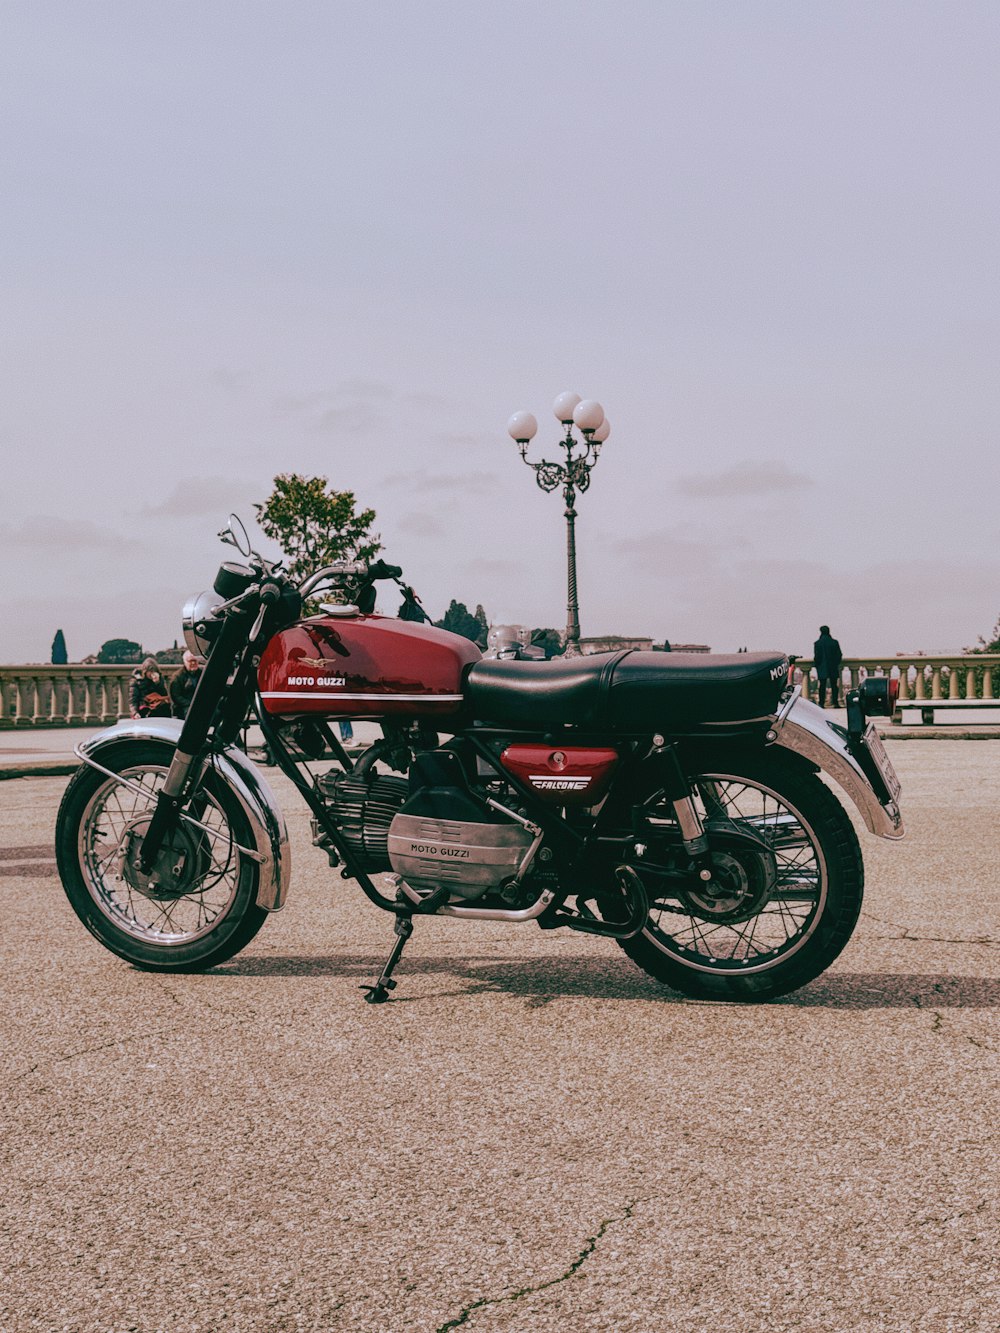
(269, 594)
(380, 570)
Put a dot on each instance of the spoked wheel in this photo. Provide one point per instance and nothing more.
(785, 896)
(197, 906)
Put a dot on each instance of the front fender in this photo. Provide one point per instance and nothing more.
(247, 784)
(802, 727)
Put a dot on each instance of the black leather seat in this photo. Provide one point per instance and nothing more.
(628, 691)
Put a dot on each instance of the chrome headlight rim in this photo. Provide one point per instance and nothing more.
(199, 623)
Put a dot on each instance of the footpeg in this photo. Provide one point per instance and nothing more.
(634, 892)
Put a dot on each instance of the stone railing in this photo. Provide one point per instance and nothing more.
(83, 696)
(969, 677)
(65, 696)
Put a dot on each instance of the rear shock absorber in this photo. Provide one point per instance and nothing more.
(678, 793)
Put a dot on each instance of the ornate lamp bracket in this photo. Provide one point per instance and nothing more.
(573, 475)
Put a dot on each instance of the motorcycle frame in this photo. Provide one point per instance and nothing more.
(226, 693)
(636, 752)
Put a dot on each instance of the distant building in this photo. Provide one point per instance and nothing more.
(615, 643)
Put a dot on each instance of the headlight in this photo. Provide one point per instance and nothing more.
(200, 625)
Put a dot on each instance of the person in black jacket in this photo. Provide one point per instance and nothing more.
(828, 659)
(148, 697)
(182, 686)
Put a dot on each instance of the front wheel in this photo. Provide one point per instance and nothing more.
(787, 892)
(198, 906)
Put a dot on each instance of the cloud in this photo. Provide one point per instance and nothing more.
(362, 388)
(501, 569)
(420, 525)
(767, 477)
(74, 534)
(353, 418)
(439, 483)
(674, 554)
(197, 496)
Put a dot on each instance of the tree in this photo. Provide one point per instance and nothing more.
(460, 620)
(550, 640)
(170, 656)
(59, 654)
(315, 525)
(992, 645)
(120, 651)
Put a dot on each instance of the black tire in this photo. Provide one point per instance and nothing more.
(113, 911)
(826, 927)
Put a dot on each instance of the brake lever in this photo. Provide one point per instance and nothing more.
(269, 594)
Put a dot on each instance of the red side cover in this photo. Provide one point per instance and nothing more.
(567, 775)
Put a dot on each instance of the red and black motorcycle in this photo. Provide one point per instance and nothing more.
(671, 802)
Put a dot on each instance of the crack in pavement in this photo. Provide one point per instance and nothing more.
(938, 1024)
(86, 1050)
(575, 1266)
(924, 939)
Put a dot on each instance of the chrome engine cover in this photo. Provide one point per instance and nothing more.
(471, 859)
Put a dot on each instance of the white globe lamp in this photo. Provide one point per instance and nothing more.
(522, 427)
(588, 415)
(564, 406)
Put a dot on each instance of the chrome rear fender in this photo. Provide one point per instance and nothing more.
(802, 727)
(270, 835)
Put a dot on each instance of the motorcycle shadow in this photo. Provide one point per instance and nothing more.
(541, 981)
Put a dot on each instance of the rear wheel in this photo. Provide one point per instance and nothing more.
(787, 890)
(198, 906)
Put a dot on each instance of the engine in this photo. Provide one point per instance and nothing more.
(432, 829)
(363, 807)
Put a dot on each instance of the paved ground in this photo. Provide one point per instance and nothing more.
(533, 1136)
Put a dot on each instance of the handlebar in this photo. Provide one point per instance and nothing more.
(346, 569)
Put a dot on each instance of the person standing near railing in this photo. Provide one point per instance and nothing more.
(148, 696)
(828, 659)
(182, 686)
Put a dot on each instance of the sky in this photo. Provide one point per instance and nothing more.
(350, 239)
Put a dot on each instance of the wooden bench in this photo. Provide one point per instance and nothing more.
(947, 712)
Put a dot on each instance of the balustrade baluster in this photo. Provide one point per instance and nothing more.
(970, 683)
(16, 701)
(936, 683)
(988, 683)
(904, 682)
(953, 682)
(68, 686)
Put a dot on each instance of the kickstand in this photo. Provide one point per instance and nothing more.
(379, 993)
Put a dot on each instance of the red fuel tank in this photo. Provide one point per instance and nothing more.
(364, 666)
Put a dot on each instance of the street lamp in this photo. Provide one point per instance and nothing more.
(586, 416)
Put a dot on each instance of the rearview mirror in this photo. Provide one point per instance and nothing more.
(235, 534)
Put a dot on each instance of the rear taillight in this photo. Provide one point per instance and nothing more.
(877, 696)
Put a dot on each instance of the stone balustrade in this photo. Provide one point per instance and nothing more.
(66, 696)
(968, 677)
(83, 696)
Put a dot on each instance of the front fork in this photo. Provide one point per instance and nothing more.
(204, 703)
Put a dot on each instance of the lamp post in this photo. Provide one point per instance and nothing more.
(573, 475)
